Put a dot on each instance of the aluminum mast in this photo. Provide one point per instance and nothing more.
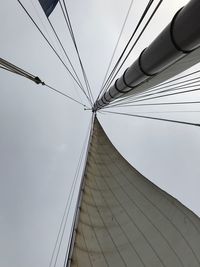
(174, 50)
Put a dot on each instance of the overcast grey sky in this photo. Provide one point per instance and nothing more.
(42, 133)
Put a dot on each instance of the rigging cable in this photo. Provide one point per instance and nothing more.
(4, 64)
(61, 93)
(165, 85)
(66, 212)
(154, 118)
(169, 111)
(65, 52)
(127, 99)
(164, 104)
(42, 23)
(77, 209)
(159, 104)
(61, 50)
(160, 86)
(51, 46)
(126, 47)
(171, 86)
(170, 94)
(144, 96)
(152, 89)
(138, 38)
(77, 50)
(78, 53)
(137, 98)
(156, 97)
(69, 203)
(106, 84)
(115, 48)
(177, 78)
(18, 73)
(69, 26)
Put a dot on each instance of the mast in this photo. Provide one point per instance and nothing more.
(173, 51)
(121, 218)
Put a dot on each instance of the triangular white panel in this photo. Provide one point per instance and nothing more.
(125, 220)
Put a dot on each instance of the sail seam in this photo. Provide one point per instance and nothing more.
(140, 258)
(186, 241)
(144, 236)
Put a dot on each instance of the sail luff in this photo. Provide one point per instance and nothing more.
(125, 220)
(80, 194)
(173, 51)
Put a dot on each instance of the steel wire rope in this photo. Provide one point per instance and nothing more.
(115, 48)
(17, 70)
(129, 97)
(61, 93)
(104, 88)
(63, 217)
(137, 97)
(72, 37)
(169, 111)
(170, 94)
(69, 202)
(42, 23)
(70, 196)
(158, 104)
(87, 140)
(138, 38)
(13, 68)
(65, 52)
(78, 92)
(156, 90)
(78, 53)
(133, 99)
(173, 84)
(66, 19)
(160, 86)
(156, 97)
(50, 45)
(31, 77)
(177, 78)
(64, 222)
(51, 39)
(69, 26)
(154, 118)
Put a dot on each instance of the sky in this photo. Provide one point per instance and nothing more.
(42, 133)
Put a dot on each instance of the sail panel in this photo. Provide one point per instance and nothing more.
(125, 220)
(48, 6)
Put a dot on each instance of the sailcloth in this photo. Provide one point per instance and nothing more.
(125, 220)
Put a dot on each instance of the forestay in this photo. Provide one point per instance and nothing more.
(125, 220)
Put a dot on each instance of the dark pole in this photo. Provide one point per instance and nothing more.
(178, 39)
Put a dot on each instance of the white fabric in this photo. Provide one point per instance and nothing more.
(125, 220)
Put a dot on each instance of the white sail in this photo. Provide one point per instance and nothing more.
(125, 220)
